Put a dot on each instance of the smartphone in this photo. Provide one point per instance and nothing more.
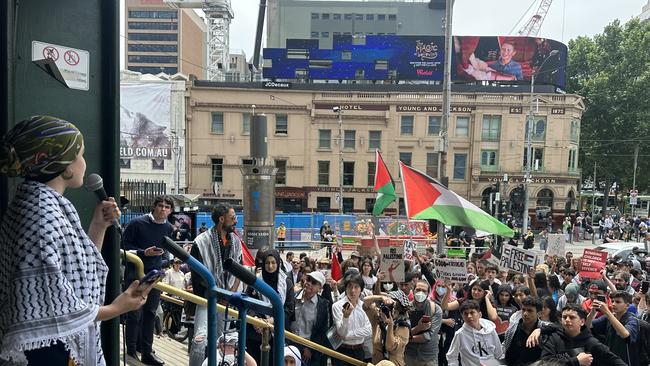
(426, 319)
(151, 277)
(601, 298)
(644, 287)
(346, 306)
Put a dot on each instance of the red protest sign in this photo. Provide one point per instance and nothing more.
(592, 262)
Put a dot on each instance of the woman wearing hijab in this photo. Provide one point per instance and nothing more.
(274, 275)
(52, 274)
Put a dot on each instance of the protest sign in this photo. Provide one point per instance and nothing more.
(454, 270)
(556, 245)
(516, 259)
(592, 262)
(392, 263)
(409, 246)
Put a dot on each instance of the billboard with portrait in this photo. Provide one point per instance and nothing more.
(509, 59)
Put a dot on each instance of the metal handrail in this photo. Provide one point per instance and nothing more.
(139, 267)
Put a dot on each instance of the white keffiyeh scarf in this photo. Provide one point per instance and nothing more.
(51, 278)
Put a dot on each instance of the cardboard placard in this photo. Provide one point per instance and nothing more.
(517, 259)
(592, 262)
(454, 270)
(556, 245)
(408, 250)
(392, 261)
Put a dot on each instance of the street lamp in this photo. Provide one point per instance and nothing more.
(337, 110)
(529, 144)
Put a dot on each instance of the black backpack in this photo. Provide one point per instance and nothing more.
(643, 342)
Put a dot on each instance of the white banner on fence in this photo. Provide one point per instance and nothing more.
(516, 259)
(454, 270)
(392, 263)
(556, 245)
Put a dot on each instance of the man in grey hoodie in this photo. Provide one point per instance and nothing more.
(476, 341)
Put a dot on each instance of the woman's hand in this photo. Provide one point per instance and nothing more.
(133, 298)
(105, 212)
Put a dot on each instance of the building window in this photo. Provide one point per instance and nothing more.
(217, 170)
(432, 165)
(125, 163)
(460, 166)
(462, 126)
(325, 34)
(489, 159)
(217, 122)
(358, 16)
(370, 16)
(324, 139)
(281, 124)
(538, 158)
(491, 128)
(539, 129)
(246, 162)
(314, 15)
(575, 131)
(381, 16)
(314, 35)
(347, 16)
(325, 16)
(371, 173)
(154, 70)
(153, 48)
(349, 138)
(336, 16)
(281, 175)
(348, 204)
(370, 204)
(153, 14)
(573, 160)
(374, 139)
(433, 129)
(157, 164)
(405, 157)
(406, 125)
(392, 16)
(323, 204)
(153, 25)
(153, 37)
(246, 123)
(323, 173)
(348, 173)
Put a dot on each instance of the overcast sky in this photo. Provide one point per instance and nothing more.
(565, 20)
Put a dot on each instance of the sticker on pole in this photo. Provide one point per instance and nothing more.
(73, 63)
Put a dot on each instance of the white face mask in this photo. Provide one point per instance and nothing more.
(388, 286)
(420, 296)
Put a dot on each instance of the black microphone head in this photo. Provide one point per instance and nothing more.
(94, 182)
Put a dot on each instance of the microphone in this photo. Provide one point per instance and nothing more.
(95, 183)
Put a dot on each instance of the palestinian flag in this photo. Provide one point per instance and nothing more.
(427, 199)
(384, 186)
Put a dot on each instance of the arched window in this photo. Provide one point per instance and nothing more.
(545, 198)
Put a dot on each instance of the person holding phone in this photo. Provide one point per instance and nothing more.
(351, 322)
(426, 319)
(389, 317)
(142, 235)
(53, 276)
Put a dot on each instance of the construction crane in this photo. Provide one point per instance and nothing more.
(534, 24)
(218, 14)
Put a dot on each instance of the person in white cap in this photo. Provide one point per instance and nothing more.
(312, 318)
(226, 352)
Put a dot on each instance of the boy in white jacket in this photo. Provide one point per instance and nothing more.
(476, 341)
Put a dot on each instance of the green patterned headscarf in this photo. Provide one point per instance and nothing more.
(39, 148)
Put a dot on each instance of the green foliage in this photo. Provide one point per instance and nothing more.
(612, 72)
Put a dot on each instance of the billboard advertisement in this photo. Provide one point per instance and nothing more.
(145, 114)
(386, 57)
(394, 57)
(509, 59)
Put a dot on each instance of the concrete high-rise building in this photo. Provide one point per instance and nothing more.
(238, 70)
(322, 20)
(645, 12)
(160, 38)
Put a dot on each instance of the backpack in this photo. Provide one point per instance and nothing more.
(643, 342)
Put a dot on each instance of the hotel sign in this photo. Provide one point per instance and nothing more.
(352, 107)
(402, 108)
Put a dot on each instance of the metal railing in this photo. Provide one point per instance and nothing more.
(137, 262)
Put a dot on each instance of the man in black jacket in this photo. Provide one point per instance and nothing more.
(312, 318)
(573, 344)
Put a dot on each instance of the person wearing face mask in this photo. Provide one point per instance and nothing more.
(426, 316)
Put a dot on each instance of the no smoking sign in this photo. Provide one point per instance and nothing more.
(72, 63)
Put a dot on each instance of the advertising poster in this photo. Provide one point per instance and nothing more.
(145, 115)
(183, 224)
(592, 262)
(454, 270)
(556, 245)
(392, 263)
(509, 58)
(517, 259)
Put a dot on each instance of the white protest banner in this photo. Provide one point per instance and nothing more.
(556, 245)
(409, 246)
(392, 263)
(516, 259)
(454, 270)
